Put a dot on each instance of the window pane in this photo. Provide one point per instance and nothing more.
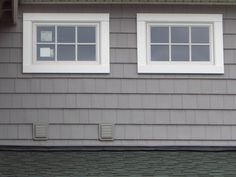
(86, 34)
(66, 52)
(159, 53)
(45, 52)
(65, 34)
(200, 53)
(200, 34)
(179, 34)
(180, 53)
(45, 34)
(86, 53)
(159, 34)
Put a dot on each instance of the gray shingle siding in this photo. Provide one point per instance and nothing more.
(148, 109)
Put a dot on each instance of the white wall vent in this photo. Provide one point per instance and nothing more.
(40, 131)
(106, 132)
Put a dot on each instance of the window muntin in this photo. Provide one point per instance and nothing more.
(189, 43)
(67, 42)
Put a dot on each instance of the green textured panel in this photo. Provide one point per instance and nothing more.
(118, 163)
(226, 2)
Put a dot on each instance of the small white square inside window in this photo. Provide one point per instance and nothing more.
(46, 36)
(46, 52)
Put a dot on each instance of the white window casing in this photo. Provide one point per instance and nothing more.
(214, 21)
(99, 20)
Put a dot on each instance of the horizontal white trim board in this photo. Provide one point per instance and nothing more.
(66, 69)
(177, 17)
(68, 17)
(181, 69)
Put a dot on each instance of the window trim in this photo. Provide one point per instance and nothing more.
(145, 66)
(29, 26)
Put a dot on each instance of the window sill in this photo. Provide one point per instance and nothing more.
(66, 69)
(174, 69)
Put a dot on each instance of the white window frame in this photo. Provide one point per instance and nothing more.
(214, 66)
(100, 20)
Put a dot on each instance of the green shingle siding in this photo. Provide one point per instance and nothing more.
(118, 163)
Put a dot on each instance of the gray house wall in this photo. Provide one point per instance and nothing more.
(147, 109)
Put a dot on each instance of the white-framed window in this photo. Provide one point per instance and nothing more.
(180, 43)
(66, 43)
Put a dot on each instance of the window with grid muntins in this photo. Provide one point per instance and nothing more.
(180, 43)
(66, 43)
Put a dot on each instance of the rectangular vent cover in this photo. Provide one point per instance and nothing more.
(40, 131)
(106, 132)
